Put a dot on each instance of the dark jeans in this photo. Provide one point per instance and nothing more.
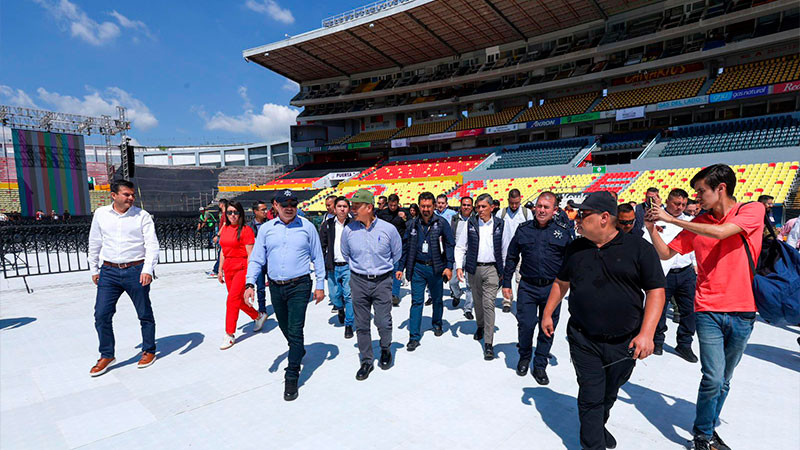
(372, 295)
(682, 286)
(261, 290)
(216, 262)
(723, 338)
(531, 301)
(424, 277)
(290, 302)
(395, 282)
(597, 387)
(113, 282)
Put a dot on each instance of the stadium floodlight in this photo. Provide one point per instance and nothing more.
(267, 53)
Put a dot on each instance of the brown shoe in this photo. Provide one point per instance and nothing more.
(101, 366)
(147, 360)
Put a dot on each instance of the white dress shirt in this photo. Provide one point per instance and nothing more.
(122, 238)
(511, 221)
(337, 241)
(794, 236)
(667, 235)
(485, 244)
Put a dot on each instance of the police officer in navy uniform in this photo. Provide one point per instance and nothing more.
(542, 242)
(428, 261)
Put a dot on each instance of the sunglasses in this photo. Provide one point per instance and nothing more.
(584, 213)
(232, 213)
(289, 204)
(627, 222)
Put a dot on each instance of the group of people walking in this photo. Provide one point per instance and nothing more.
(615, 280)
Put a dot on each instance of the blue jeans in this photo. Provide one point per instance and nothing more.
(331, 286)
(261, 290)
(424, 277)
(395, 282)
(113, 282)
(723, 338)
(290, 302)
(340, 294)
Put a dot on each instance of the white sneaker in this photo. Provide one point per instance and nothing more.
(259, 323)
(227, 342)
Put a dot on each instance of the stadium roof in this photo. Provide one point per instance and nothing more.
(408, 32)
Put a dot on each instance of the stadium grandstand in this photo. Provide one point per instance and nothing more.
(574, 96)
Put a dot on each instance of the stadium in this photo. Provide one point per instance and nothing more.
(453, 97)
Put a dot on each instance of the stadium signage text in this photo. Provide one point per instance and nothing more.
(397, 143)
(580, 118)
(543, 123)
(437, 136)
(630, 113)
(655, 74)
(342, 175)
(502, 128)
(684, 102)
(792, 86)
(740, 93)
(359, 145)
(468, 133)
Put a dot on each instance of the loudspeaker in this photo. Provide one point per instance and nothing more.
(127, 161)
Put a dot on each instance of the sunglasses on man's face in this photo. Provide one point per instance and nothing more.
(289, 204)
(627, 222)
(584, 213)
(233, 213)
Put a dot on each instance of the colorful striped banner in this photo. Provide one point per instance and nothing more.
(51, 172)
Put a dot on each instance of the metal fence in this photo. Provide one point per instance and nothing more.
(49, 248)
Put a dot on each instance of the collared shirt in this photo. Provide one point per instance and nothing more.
(373, 250)
(122, 238)
(447, 214)
(510, 223)
(540, 249)
(668, 233)
(290, 249)
(337, 241)
(485, 244)
(794, 236)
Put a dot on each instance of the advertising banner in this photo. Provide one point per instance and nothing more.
(580, 118)
(630, 113)
(502, 128)
(682, 103)
(792, 86)
(419, 139)
(397, 143)
(543, 123)
(468, 133)
(359, 145)
(437, 136)
(737, 94)
(342, 175)
(660, 73)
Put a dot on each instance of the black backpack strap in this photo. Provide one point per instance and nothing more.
(749, 257)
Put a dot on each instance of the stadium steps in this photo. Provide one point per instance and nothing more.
(516, 116)
(792, 204)
(595, 103)
(372, 169)
(706, 86)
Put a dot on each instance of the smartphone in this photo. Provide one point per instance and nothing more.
(648, 203)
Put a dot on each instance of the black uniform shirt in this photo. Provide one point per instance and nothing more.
(542, 250)
(606, 283)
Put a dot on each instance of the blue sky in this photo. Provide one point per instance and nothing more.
(176, 65)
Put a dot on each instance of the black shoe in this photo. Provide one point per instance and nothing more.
(290, 390)
(540, 375)
(363, 372)
(478, 334)
(685, 352)
(522, 367)
(395, 301)
(334, 310)
(469, 315)
(488, 352)
(610, 441)
(348, 332)
(428, 302)
(676, 318)
(386, 359)
(340, 313)
(456, 301)
(437, 331)
(412, 345)
(700, 443)
(658, 350)
(506, 309)
(717, 443)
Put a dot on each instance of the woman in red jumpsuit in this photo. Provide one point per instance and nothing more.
(236, 240)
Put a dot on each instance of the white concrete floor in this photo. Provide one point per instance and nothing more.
(444, 395)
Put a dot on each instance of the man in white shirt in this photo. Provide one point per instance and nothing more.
(459, 225)
(681, 281)
(123, 251)
(479, 252)
(512, 216)
(793, 238)
(336, 267)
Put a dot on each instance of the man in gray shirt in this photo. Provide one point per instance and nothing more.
(371, 247)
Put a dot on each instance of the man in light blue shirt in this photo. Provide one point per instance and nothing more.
(442, 209)
(290, 244)
(371, 247)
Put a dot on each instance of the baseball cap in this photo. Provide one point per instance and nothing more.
(601, 201)
(363, 196)
(285, 197)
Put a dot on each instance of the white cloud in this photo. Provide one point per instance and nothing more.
(272, 122)
(81, 26)
(16, 97)
(243, 93)
(271, 9)
(291, 86)
(98, 103)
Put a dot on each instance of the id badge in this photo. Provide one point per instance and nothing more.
(425, 247)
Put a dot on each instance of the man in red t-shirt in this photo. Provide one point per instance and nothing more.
(725, 308)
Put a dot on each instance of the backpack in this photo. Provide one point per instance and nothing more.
(776, 278)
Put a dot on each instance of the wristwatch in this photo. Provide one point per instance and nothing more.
(249, 286)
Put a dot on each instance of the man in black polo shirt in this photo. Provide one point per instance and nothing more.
(610, 326)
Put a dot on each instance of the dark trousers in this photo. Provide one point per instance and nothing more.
(531, 301)
(290, 302)
(597, 387)
(112, 283)
(261, 290)
(368, 295)
(682, 286)
(425, 277)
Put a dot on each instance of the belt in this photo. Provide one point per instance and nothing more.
(424, 263)
(376, 278)
(604, 338)
(541, 282)
(339, 264)
(485, 264)
(292, 281)
(124, 265)
(681, 269)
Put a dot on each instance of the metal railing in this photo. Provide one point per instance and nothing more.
(51, 248)
(362, 11)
